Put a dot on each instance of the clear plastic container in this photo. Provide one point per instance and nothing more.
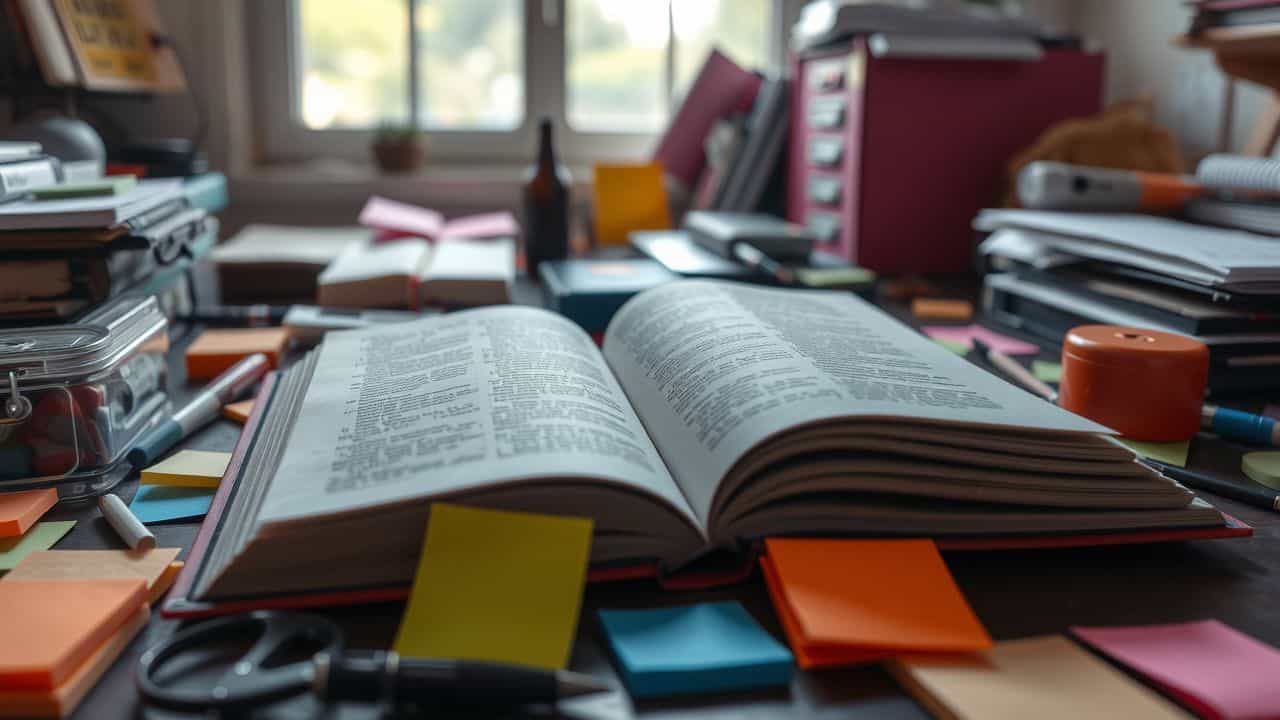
(74, 398)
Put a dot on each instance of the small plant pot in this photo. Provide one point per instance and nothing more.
(400, 156)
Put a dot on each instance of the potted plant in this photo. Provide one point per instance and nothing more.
(399, 148)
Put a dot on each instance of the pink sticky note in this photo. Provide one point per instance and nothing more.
(401, 219)
(478, 227)
(1217, 671)
(965, 334)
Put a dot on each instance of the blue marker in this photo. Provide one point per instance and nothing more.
(202, 409)
(1237, 425)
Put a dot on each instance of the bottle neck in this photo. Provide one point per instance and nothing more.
(546, 153)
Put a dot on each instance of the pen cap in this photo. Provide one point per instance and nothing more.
(1144, 384)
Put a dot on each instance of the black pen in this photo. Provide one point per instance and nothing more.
(1257, 496)
(385, 676)
(238, 315)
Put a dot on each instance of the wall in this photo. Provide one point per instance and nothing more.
(1142, 60)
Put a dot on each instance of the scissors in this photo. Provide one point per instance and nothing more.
(262, 674)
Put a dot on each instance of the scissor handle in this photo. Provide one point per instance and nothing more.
(247, 682)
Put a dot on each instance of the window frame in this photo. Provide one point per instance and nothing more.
(284, 139)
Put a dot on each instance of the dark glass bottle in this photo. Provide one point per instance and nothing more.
(546, 206)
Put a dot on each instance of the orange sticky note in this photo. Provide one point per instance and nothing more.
(62, 701)
(20, 510)
(850, 601)
(157, 567)
(50, 627)
(938, 309)
(238, 411)
(628, 198)
(216, 350)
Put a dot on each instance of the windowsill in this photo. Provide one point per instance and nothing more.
(455, 185)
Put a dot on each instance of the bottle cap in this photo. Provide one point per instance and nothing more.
(1144, 384)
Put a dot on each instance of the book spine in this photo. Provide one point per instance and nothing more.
(21, 177)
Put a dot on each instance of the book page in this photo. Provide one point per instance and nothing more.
(470, 400)
(713, 368)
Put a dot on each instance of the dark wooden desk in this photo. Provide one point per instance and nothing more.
(1015, 593)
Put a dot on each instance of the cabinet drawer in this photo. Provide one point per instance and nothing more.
(825, 226)
(825, 151)
(824, 189)
(826, 113)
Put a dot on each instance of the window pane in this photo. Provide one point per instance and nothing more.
(616, 56)
(471, 60)
(738, 28)
(354, 62)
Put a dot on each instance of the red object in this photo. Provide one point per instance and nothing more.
(721, 89)
(1145, 385)
(892, 158)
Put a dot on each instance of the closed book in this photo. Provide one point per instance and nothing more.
(21, 177)
(589, 292)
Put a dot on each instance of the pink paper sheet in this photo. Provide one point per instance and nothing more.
(479, 227)
(1214, 669)
(401, 218)
(966, 333)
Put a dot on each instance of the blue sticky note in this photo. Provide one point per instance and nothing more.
(710, 647)
(158, 503)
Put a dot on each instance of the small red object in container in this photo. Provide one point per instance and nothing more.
(1146, 385)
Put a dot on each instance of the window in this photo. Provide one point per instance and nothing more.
(476, 74)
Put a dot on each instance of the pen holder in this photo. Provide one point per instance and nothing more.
(1144, 384)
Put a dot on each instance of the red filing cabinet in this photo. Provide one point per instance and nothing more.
(891, 158)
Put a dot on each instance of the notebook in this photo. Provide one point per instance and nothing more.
(91, 212)
(716, 414)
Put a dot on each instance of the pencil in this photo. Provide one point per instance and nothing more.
(1250, 494)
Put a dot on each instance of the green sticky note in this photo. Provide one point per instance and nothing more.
(498, 586)
(954, 346)
(839, 277)
(1171, 453)
(41, 536)
(1046, 371)
(115, 185)
(1262, 467)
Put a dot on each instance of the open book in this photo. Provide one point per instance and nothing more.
(716, 414)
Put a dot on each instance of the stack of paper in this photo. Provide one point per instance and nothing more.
(843, 602)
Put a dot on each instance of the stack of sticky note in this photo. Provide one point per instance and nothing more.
(180, 487)
(1214, 669)
(1044, 678)
(59, 637)
(217, 350)
(711, 647)
(67, 615)
(20, 533)
(843, 602)
(497, 586)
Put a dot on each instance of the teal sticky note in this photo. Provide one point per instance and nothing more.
(160, 503)
(711, 647)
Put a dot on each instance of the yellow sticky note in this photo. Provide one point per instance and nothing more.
(1172, 453)
(627, 198)
(498, 586)
(189, 468)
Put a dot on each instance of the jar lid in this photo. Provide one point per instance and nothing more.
(95, 343)
(1112, 344)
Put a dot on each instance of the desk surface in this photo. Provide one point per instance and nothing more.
(1015, 593)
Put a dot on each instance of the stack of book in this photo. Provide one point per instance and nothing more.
(1051, 271)
(61, 258)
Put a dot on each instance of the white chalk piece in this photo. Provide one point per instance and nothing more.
(126, 524)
